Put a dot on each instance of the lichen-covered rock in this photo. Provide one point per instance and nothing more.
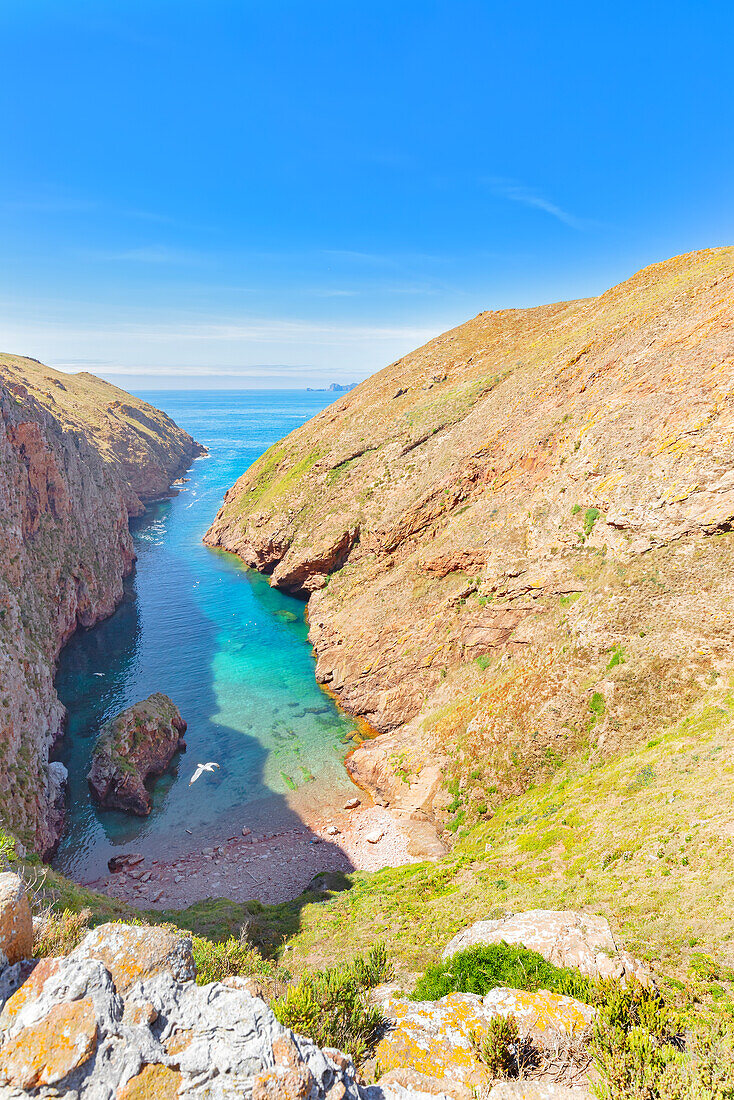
(133, 954)
(438, 1038)
(409, 1083)
(78, 457)
(563, 937)
(16, 922)
(113, 1021)
(46, 1052)
(541, 1014)
(138, 743)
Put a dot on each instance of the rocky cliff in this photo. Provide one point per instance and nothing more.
(78, 457)
(517, 541)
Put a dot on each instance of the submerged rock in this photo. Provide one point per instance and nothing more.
(138, 743)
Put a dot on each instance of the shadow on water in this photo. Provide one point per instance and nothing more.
(232, 654)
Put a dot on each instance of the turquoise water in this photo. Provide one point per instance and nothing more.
(229, 650)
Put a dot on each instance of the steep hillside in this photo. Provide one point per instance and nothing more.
(78, 457)
(517, 541)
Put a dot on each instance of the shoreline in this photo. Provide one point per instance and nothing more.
(271, 867)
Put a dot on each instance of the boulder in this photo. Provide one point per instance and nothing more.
(86, 1027)
(563, 937)
(16, 922)
(138, 743)
(438, 1038)
(115, 864)
(133, 954)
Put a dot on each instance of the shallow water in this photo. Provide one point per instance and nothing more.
(229, 650)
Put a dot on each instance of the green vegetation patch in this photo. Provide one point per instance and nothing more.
(591, 515)
(497, 965)
(273, 476)
(331, 1006)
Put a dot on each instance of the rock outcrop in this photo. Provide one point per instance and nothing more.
(134, 745)
(526, 529)
(78, 457)
(16, 922)
(439, 1039)
(563, 937)
(100, 1024)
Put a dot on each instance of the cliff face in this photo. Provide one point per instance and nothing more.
(77, 458)
(517, 541)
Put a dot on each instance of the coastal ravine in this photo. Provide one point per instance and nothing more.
(229, 650)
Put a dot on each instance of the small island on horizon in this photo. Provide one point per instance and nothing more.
(335, 387)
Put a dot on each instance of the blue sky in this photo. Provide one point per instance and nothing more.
(277, 193)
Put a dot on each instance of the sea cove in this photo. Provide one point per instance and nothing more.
(229, 650)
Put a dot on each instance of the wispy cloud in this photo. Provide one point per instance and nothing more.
(83, 362)
(258, 330)
(148, 254)
(518, 192)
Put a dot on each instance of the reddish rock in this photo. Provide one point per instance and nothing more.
(16, 922)
(549, 486)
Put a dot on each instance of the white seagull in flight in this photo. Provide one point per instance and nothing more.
(201, 768)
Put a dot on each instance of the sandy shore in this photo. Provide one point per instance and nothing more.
(271, 867)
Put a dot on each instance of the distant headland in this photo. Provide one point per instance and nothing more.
(334, 387)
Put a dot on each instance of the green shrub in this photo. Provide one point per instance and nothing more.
(597, 705)
(499, 1048)
(489, 966)
(708, 1071)
(591, 515)
(635, 1039)
(232, 958)
(330, 1006)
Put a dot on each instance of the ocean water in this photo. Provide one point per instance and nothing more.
(230, 651)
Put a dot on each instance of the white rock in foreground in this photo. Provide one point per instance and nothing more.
(113, 1021)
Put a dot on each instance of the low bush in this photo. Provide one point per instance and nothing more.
(331, 1006)
(499, 1048)
(635, 1041)
(489, 966)
(231, 958)
(7, 849)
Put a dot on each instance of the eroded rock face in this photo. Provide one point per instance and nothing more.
(16, 923)
(138, 743)
(78, 456)
(544, 502)
(118, 1018)
(563, 937)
